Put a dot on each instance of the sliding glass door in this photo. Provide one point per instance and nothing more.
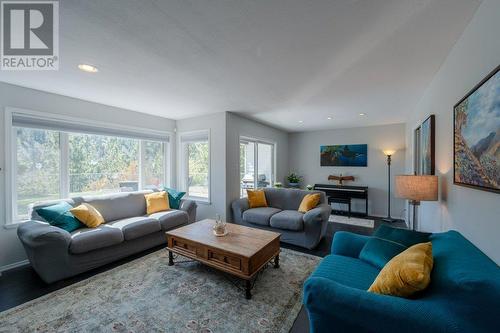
(256, 164)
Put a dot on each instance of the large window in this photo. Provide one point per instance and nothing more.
(256, 164)
(51, 163)
(195, 164)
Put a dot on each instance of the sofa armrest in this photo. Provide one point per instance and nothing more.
(238, 207)
(330, 303)
(189, 206)
(36, 234)
(47, 248)
(319, 214)
(348, 244)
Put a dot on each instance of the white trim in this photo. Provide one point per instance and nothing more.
(9, 167)
(14, 265)
(256, 142)
(182, 164)
(64, 180)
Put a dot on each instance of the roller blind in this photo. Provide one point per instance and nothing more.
(63, 125)
(194, 136)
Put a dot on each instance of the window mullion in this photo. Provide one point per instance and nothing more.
(256, 165)
(142, 164)
(64, 181)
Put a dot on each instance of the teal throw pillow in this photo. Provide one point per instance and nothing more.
(402, 236)
(174, 197)
(59, 216)
(378, 251)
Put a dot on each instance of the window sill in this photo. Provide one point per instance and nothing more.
(12, 225)
(199, 200)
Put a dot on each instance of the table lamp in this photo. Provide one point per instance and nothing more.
(417, 188)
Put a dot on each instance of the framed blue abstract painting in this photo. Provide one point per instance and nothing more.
(344, 155)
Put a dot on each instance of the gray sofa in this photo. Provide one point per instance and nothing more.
(282, 215)
(56, 254)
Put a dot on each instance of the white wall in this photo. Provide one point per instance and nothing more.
(304, 158)
(238, 126)
(11, 250)
(216, 124)
(475, 213)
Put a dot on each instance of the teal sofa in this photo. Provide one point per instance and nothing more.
(463, 296)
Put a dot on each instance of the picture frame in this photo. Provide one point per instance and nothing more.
(351, 155)
(476, 128)
(427, 146)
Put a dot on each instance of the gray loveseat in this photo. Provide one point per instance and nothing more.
(56, 254)
(282, 215)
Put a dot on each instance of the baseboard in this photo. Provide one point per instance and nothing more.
(14, 265)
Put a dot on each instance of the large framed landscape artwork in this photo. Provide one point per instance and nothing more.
(477, 136)
(344, 155)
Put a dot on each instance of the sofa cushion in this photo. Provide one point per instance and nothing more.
(174, 197)
(378, 252)
(59, 215)
(117, 206)
(135, 227)
(260, 215)
(171, 219)
(347, 271)
(88, 239)
(402, 236)
(407, 273)
(288, 220)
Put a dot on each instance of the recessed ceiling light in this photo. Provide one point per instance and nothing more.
(301, 121)
(88, 68)
(329, 118)
(362, 114)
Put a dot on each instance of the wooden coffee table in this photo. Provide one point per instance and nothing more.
(243, 253)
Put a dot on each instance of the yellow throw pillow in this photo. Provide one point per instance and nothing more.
(256, 198)
(156, 202)
(406, 273)
(88, 215)
(309, 202)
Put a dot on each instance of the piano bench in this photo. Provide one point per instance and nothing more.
(345, 201)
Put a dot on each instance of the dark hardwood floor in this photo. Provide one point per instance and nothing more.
(22, 284)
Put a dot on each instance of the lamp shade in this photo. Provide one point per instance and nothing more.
(389, 152)
(417, 188)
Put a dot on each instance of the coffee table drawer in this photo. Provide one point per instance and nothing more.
(224, 259)
(184, 246)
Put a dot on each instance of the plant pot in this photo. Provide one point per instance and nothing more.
(293, 184)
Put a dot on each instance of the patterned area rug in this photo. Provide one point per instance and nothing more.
(147, 295)
(352, 221)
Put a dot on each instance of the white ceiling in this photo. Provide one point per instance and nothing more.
(277, 61)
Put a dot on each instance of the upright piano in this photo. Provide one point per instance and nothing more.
(344, 194)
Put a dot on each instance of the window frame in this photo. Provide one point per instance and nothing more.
(10, 174)
(182, 158)
(256, 142)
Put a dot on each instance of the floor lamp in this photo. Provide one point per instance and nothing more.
(389, 154)
(416, 189)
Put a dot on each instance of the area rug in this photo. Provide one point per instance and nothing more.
(147, 295)
(352, 221)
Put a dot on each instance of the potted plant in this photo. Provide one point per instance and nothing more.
(278, 185)
(309, 187)
(293, 179)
